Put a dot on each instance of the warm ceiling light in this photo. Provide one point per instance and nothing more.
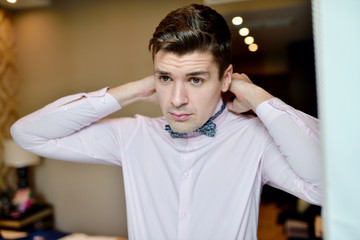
(237, 20)
(249, 40)
(253, 47)
(11, 1)
(244, 32)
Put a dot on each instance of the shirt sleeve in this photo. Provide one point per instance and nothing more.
(294, 162)
(53, 131)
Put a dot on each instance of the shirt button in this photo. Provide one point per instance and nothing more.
(184, 216)
(64, 107)
(186, 175)
(103, 100)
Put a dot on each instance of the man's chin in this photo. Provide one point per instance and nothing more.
(182, 127)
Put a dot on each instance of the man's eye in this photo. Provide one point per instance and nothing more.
(164, 78)
(196, 81)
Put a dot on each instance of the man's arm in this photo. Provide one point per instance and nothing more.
(71, 127)
(295, 133)
(137, 91)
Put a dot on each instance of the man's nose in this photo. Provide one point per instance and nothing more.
(179, 94)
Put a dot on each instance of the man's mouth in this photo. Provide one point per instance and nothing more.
(180, 116)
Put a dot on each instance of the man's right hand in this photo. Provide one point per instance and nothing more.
(148, 91)
(138, 91)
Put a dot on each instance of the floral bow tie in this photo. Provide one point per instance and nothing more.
(208, 129)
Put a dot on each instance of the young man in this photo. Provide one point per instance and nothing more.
(197, 172)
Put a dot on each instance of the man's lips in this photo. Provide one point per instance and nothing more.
(180, 116)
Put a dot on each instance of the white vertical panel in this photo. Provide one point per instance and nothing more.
(337, 53)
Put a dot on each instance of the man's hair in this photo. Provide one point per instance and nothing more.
(194, 28)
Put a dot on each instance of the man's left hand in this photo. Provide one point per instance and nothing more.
(248, 96)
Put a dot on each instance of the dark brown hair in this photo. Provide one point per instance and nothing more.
(194, 28)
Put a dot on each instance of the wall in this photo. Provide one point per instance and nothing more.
(338, 73)
(8, 86)
(76, 46)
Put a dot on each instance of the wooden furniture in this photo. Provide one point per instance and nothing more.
(39, 217)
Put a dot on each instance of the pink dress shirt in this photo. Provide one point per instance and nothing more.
(196, 187)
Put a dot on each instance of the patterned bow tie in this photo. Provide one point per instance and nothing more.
(208, 129)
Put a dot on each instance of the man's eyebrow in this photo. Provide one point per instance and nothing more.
(160, 72)
(197, 73)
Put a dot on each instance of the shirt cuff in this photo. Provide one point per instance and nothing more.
(269, 110)
(103, 102)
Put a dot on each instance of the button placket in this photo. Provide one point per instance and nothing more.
(185, 187)
(185, 193)
(184, 215)
(192, 147)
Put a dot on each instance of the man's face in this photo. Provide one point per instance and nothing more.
(188, 88)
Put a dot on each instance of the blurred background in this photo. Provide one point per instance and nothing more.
(53, 48)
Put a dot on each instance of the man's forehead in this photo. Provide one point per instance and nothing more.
(165, 61)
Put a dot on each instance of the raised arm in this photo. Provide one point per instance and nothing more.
(71, 127)
(137, 91)
(295, 133)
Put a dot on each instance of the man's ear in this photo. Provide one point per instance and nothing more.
(227, 78)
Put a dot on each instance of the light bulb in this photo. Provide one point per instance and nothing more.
(244, 32)
(253, 47)
(249, 40)
(237, 20)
